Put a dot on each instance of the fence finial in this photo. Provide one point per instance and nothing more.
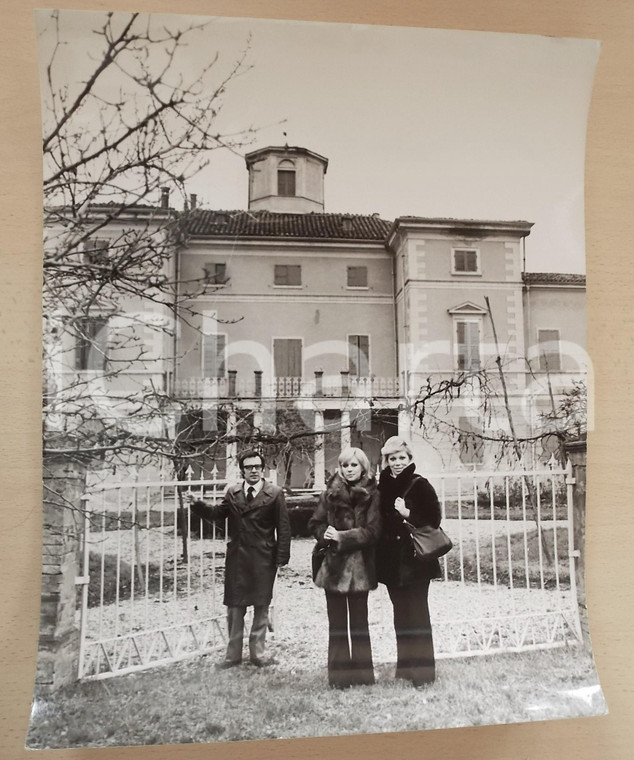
(552, 462)
(189, 472)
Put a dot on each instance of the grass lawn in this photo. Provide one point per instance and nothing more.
(192, 702)
(522, 556)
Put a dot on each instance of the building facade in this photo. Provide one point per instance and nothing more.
(345, 329)
(348, 321)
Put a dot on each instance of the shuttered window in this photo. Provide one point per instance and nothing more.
(92, 344)
(96, 251)
(468, 344)
(286, 183)
(359, 355)
(287, 357)
(215, 273)
(286, 179)
(214, 355)
(549, 356)
(357, 277)
(465, 261)
(288, 274)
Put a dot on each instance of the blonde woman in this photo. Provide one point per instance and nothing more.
(347, 522)
(406, 496)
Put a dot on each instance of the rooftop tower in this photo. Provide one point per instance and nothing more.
(286, 180)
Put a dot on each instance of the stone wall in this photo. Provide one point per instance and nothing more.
(58, 652)
(577, 453)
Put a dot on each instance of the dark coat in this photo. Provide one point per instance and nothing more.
(259, 541)
(348, 565)
(395, 561)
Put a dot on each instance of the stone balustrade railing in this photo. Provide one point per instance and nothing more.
(255, 386)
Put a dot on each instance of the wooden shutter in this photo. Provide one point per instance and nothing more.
(473, 343)
(96, 251)
(359, 355)
(549, 357)
(286, 183)
(215, 273)
(357, 277)
(468, 344)
(465, 260)
(214, 355)
(287, 274)
(92, 344)
(287, 357)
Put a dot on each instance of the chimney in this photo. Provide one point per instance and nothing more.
(165, 197)
(193, 199)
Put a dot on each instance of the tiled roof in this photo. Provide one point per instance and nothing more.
(247, 224)
(119, 205)
(553, 278)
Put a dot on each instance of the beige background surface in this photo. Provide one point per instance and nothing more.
(610, 234)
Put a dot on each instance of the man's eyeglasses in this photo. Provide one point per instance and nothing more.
(251, 466)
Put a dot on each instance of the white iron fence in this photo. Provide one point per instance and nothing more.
(510, 578)
(152, 575)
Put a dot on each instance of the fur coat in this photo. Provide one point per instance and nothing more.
(353, 509)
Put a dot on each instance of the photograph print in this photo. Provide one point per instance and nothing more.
(316, 392)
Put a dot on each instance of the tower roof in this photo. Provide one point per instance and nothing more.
(290, 151)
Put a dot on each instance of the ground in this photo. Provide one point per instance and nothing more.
(191, 701)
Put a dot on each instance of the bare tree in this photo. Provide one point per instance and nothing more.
(121, 141)
(437, 404)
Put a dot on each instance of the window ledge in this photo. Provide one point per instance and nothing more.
(467, 274)
(357, 287)
(289, 287)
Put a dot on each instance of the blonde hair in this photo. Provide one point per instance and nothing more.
(353, 453)
(391, 446)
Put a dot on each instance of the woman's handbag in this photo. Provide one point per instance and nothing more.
(319, 552)
(429, 543)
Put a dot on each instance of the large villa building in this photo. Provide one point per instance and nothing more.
(342, 324)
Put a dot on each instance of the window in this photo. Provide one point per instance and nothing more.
(92, 344)
(287, 357)
(214, 355)
(96, 251)
(286, 179)
(357, 277)
(288, 275)
(468, 344)
(215, 273)
(359, 355)
(465, 261)
(549, 357)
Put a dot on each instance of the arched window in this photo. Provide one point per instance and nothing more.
(286, 179)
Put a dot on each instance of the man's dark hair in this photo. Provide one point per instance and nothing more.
(248, 454)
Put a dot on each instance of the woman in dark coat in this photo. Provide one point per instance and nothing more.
(346, 522)
(406, 496)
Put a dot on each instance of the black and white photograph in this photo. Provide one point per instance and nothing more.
(316, 388)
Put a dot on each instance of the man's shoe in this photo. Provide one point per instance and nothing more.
(225, 664)
(261, 663)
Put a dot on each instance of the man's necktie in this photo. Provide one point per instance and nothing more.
(250, 492)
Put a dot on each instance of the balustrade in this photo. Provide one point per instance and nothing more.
(255, 386)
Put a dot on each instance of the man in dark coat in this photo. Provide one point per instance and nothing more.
(259, 543)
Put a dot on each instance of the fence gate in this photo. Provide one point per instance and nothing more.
(510, 578)
(152, 577)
